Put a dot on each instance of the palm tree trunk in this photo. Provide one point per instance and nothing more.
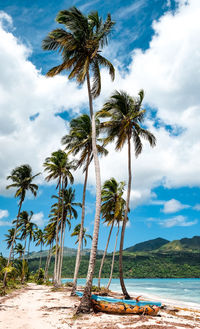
(61, 243)
(113, 260)
(23, 262)
(85, 303)
(78, 255)
(12, 245)
(47, 264)
(57, 240)
(40, 257)
(126, 295)
(104, 255)
(62, 252)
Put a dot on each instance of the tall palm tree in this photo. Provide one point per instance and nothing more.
(69, 212)
(39, 238)
(80, 46)
(76, 232)
(24, 220)
(31, 231)
(59, 167)
(126, 116)
(79, 142)
(111, 209)
(22, 179)
(49, 238)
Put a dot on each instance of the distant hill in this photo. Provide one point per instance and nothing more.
(67, 252)
(148, 245)
(186, 244)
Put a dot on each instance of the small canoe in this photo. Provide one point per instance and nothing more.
(141, 303)
(123, 308)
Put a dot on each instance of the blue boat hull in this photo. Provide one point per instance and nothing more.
(125, 301)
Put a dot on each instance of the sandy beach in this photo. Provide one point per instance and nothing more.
(35, 307)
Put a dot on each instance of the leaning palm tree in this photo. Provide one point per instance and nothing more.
(79, 142)
(126, 116)
(59, 167)
(80, 46)
(22, 178)
(111, 209)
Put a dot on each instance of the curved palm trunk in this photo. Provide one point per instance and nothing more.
(126, 295)
(113, 260)
(104, 255)
(85, 303)
(12, 245)
(78, 255)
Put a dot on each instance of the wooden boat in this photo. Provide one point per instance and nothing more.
(123, 306)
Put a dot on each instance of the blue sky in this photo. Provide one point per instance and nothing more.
(154, 46)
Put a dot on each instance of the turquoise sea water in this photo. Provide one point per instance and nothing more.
(181, 290)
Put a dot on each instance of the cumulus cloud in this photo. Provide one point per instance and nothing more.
(3, 213)
(197, 207)
(173, 206)
(177, 221)
(38, 218)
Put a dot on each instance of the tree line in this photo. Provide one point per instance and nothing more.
(80, 43)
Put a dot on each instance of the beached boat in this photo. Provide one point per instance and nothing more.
(123, 306)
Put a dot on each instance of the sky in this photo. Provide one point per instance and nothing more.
(154, 46)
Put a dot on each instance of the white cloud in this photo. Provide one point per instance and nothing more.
(197, 207)
(177, 221)
(5, 223)
(173, 206)
(3, 213)
(38, 218)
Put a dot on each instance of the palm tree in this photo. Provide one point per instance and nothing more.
(24, 220)
(10, 237)
(31, 231)
(39, 238)
(19, 249)
(112, 206)
(76, 233)
(49, 238)
(22, 180)
(124, 125)
(59, 167)
(80, 46)
(69, 212)
(79, 141)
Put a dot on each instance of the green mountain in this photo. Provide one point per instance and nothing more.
(70, 252)
(186, 244)
(148, 245)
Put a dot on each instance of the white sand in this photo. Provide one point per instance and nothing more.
(36, 307)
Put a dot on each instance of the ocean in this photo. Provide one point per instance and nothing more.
(185, 291)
